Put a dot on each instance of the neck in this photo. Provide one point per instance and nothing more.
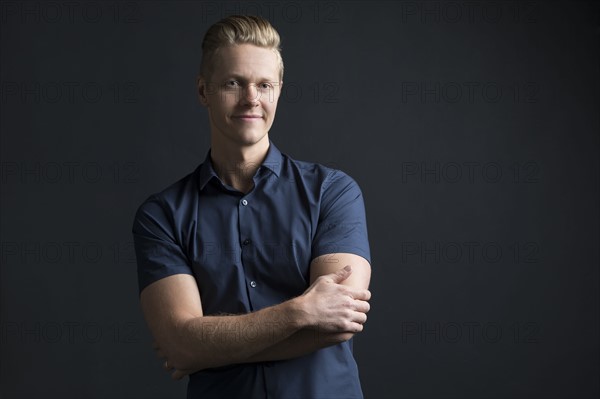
(236, 165)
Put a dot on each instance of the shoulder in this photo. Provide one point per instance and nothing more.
(176, 197)
(326, 178)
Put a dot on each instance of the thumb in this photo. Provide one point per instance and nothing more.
(341, 274)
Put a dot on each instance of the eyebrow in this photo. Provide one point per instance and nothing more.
(241, 78)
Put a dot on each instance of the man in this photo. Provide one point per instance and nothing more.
(254, 269)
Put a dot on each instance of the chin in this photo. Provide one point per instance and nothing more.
(249, 138)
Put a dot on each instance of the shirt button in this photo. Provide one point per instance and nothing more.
(253, 284)
(244, 202)
(247, 241)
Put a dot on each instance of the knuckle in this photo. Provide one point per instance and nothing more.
(348, 326)
(320, 279)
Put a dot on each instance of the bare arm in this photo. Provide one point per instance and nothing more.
(191, 341)
(308, 340)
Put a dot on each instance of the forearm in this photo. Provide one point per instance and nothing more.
(213, 341)
(300, 343)
(325, 314)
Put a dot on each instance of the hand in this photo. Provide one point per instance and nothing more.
(332, 307)
(175, 373)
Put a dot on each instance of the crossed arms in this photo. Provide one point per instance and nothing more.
(331, 310)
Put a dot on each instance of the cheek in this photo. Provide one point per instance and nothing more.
(220, 105)
(271, 106)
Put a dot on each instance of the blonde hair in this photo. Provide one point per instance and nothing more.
(239, 29)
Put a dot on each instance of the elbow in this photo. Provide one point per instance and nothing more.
(177, 349)
(189, 346)
(181, 359)
(168, 348)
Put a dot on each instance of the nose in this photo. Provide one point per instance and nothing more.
(251, 94)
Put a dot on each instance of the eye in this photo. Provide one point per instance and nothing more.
(232, 83)
(266, 85)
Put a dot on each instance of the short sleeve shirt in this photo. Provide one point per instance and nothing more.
(249, 251)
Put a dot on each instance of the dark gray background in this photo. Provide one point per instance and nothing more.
(472, 129)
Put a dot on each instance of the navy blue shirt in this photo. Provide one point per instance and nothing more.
(250, 251)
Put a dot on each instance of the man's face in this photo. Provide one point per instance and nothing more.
(241, 94)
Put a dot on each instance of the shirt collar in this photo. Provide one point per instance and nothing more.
(273, 161)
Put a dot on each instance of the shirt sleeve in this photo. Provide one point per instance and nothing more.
(157, 253)
(342, 223)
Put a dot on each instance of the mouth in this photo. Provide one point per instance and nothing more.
(244, 117)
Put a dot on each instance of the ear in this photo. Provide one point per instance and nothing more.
(202, 90)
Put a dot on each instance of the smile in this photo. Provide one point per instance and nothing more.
(248, 118)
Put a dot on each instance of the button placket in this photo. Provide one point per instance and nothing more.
(245, 231)
(244, 202)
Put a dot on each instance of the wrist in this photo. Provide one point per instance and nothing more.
(297, 310)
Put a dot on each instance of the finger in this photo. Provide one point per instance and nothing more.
(360, 318)
(356, 327)
(362, 306)
(357, 293)
(341, 274)
(360, 294)
(166, 365)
